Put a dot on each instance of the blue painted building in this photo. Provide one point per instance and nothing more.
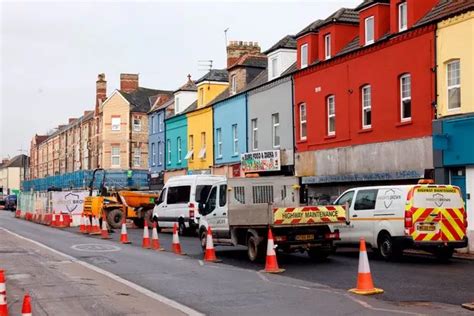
(230, 129)
(156, 141)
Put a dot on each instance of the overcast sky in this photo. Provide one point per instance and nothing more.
(51, 52)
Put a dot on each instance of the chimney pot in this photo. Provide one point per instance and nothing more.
(128, 82)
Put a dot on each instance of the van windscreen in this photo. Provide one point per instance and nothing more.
(178, 195)
(437, 197)
(202, 191)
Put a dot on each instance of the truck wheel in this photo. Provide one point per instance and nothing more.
(203, 238)
(255, 251)
(386, 248)
(444, 253)
(149, 218)
(318, 254)
(115, 218)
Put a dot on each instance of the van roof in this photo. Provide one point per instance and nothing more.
(404, 186)
(195, 177)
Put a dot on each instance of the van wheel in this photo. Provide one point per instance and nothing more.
(203, 238)
(115, 218)
(386, 248)
(181, 228)
(255, 251)
(444, 253)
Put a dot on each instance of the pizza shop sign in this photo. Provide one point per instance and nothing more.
(259, 161)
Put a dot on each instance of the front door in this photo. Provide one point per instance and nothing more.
(459, 179)
(217, 210)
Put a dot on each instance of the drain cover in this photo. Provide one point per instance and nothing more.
(95, 248)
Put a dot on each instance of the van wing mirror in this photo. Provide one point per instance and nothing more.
(348, 213)
(202, 208)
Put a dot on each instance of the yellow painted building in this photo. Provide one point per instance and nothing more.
(200, 127)
(455, 65)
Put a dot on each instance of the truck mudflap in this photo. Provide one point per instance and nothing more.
(329, 214)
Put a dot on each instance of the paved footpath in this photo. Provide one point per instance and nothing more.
(212, 289)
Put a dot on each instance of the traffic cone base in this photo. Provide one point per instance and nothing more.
(82, 225)
(155, 241)
(95, 229)
(105, 231)
(365, 284)
(3, 295)
(271, 264)
(210, 254)
(146, 237)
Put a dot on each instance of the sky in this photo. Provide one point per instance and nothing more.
(51, 52)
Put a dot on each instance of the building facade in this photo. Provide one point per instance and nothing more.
(360, 98)
(454, 127)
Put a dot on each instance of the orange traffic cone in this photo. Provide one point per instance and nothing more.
(95, 229)
(176, 245)
(123, 234)
(155, 241)
(365, 285)
(82, 226)
(61, 223)
(26, 309)
(88, 225)
(271, 264)
(105, 231)
(3, 295)
(54, 222)
(210, 254)
(146, 236)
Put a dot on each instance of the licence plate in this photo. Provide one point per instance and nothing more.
(426, 227)
(304, 237)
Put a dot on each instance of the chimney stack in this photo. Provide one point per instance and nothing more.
(237, 49)
(101, 92)
(128, 82)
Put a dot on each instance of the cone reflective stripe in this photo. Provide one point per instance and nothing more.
(176, 245)
(105, 231)
(82, 226)
(61, 221)
(365, 284)
(146, 236)
(271, 264)
(210, 254)
(155, 241)
(3, 295)
(26, 309)
(123, 234)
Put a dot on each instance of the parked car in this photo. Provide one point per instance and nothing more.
(10, 202)
(394, 218)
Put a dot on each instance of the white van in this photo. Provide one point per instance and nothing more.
(179, 199)
(394, 218)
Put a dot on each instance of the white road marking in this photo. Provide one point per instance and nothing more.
(201, 263)
(95, 248)
(183, 308)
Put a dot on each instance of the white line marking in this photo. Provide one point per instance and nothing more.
(201, 263)
(183, 308)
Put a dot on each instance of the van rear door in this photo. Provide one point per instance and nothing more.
(437, 213)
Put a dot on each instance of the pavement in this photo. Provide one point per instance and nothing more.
(236, 286)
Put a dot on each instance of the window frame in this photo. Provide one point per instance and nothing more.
(275, 130)
(219, 142)
(455, 86)
(331, 116)
(305, 121)
(370, 18)
(160, 153)
(254, 126)
(233, 83)
(161, 122)
(401, 27)
(137, 154)
(274, 67)
(153, 154)
(116, 155)
(402, 98)
(191, 146)
(179, 149)
(117, 125)
(235, 140)
(203, 146)
(137, 127)
(327, 46)
(367, 86)
(168, 145)
(304, 61)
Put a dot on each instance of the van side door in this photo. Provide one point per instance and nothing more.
(344, 229)
(362, 216)
(216, 210)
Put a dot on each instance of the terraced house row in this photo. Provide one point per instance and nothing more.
(381, 93)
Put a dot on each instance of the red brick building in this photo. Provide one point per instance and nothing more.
(364, 97)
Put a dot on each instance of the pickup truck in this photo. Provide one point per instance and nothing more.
(241, 210)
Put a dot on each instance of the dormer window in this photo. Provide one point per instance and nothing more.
(369, 30)
(402, 17)
(233, 84)
(327, 46)
(304, 55)
(274, 67)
